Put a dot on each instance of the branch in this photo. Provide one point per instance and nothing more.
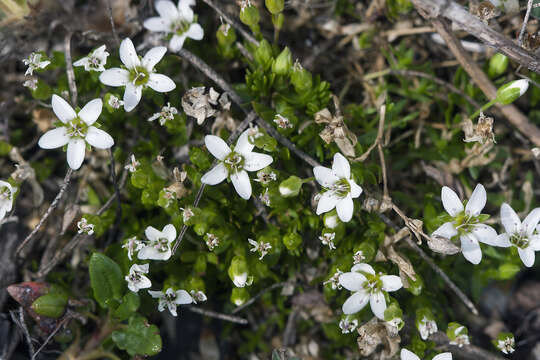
(213, 314)
(467, 352)
(525, 21)
(69, 68)
(261, 293)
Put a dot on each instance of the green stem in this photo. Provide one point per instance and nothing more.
(483, 108)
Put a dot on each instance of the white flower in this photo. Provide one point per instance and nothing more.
(136, 279)
(6, 198)
(367, 286)
(409, 355)
(95, 61)
(75, 129)
(466, 223)
(133, 164)
(138, 74)
(521, 235)
(265, 177)
(522, 85)
(282, 122)
(115, 103)
(212, 241)
(328, 239)
(85, 227)
(460, 340)
(338, 188)
(31, 84)
(334, 280)
(167, 113)
(427, 327)
(348, 326)
(331, 222)
(506, 345)
(234, 164)
(176, 20)
(198, 296)
(358, 257)
(34, 62)
(260, 246)
(242, 280)
(187, 214)
(132, 245)
(265, 198)
(159, 246)
(171, 299)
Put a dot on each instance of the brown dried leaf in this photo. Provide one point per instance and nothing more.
(442, 245)
(373, 334)
(404, 265)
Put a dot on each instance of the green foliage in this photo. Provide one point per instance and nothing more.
(106, 279)
(138, 337)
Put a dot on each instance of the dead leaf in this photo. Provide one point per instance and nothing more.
(442, 245)
(373, 334)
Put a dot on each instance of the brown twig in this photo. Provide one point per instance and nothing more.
(525, 21)
(213, 314)
(261, 293)
(467, 352)
(69, 68)
(111, 19)
(20, 322)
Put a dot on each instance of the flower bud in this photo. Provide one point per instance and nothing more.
(238, 272)
(290, 187)
(292, 241)
(249, 14)
(226, 35)
(263, 54)
(283, 63)
(497, 65)
(301, 79)
(239, 296)
(508, 93)
(275, 6)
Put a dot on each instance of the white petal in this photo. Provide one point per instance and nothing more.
(485, 234)
(451, 202)
(243, 146)
(241, 184)
(183, 297)
(446, 230)
(153, 56)
(509, 219)
(522, 85)
(443, 356)
(91, 111)
(155, 294)
(152, 233)
(217, 146)
(166, 9)
(534, 242)
(255, 161)
(75, 153)
(527, 256)
(345, 208)
(356, 190)
(215, 175)
(352, 281)
(341, 166)
(177, 42)
(54, 138)
(327, 202)
(170, 232)
(195, 32)
(132, 96)
(81, 62)
(503, 240)
(477, 201)
(185, 10)
(530, 222)
(471, 249)
(114, 77)
(62, 109)
(99, 138)
(172, 309)
(363, 267)
(408, 355)
(355, 303)
(161, 83)
(151, 253)
(324, 176)
(144, 282)
(391, 283)
(378, 304)
(128, 55)
(157, 24)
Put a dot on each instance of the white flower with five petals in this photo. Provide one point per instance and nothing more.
(466, 222)
(6, 198)
(409, 355)
(95, 61)
(171, 299)
(75, 130)
(159, 245)
(176, 20)
(234, 164)
(34, 63)
(136, 279)
(138, 74)
(520, 234)
(339, 188)
(367, 286)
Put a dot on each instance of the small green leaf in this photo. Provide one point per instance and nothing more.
(52, 305)
(130, 304)
(106, 279)
(138, 338)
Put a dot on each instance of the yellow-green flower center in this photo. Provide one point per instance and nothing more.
(234, 162)
(180, 26)
(139, 75)
(519, 240)
(77, 128)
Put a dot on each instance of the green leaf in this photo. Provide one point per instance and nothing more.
(290, 187)
(106, 279)
(130, 304)
(52, 305)
(138, 338)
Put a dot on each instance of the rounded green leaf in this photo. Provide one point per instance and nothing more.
(106, 279)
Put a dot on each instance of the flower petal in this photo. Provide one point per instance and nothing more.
(408, 355)
(195, 32)
(128, 55)
(477, 201)
(451, 202)
(241, 184)
(352, 281)
(217, 146)
(161, 83)
(324, 176)
(155, 294)
(62, 109)
(446, 230)
(355, 302)
(443, 356)
(75, 153)
(99, 138)
(114, 77)
(485, 234)
(54, 138)
(391, 283)
(215, 175)
(170, 232)
(530, 222)
(341, 166)
(177, 42)
(132, 96)
(327, 202)
(255, 161)
(166, 9)
(356, 190)
(157, 24)
(185, 10)
(243, 146)
(151, 253)
(502, 240)
(471, 249)
(91, 111)
(534, 243)
(378, 304)
(153, 56)
(509, 219)
(527, 256)
(183, 298)
(152, 233)
(363, 267)
(345, 208)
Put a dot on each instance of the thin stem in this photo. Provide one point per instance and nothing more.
(483, 108)
(213, 314)
(113, 27)
(118, 215)
(525, 21)
(69, 68)
(261, 293)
